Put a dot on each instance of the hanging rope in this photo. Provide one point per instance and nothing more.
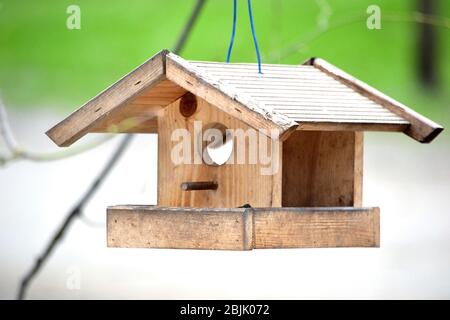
(233, 31)
(254, 35)
(252, 26)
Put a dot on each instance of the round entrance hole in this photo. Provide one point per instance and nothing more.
(217, 144)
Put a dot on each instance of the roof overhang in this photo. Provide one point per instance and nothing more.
(420, 128)
(133, 103)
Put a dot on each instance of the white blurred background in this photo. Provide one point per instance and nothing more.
(409, 181)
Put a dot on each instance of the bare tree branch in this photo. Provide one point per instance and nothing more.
(181, 42)
(302, 45)
(17, 152)
(427, 42)
(75, 212)
(5, 129)
(78, 208)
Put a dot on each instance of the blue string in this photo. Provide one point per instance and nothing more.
(233, 32)
(254, 35)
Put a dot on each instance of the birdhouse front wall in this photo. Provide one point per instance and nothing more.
(237, 183)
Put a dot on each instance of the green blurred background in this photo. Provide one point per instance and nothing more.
(45, 65)
(47, 71)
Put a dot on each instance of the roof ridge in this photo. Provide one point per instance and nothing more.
(235, 94)
(246, 63)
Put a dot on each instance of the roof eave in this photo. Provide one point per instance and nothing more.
(421, 128)
(77, 124)
(166, 65)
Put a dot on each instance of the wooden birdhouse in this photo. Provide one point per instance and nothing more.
(302, 187)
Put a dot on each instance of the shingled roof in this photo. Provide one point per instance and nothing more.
(312, 96)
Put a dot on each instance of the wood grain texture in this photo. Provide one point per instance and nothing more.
(132, 118)
(421, 129)
(140, 114)
(181, 228)
(119, 94)
(351, 126)
(238, 184)
(302, 93)
(319, 169)
(161, 94)
(358, 169)
(316, 228)
(241, 229)
(228, 99)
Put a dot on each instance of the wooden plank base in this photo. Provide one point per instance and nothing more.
(242, 228)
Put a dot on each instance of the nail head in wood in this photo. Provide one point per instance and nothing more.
(199, 185)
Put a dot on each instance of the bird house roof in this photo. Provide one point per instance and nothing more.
(312, 96)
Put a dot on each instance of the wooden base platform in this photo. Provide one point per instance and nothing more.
(242, 228)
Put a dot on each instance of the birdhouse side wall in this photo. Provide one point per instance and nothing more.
(322, 169)
(238, 184)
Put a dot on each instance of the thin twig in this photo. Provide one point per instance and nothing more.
(301, 45)
(91, 223)
(77, 210)
(17, 152)
(5, 129)
(189, 25)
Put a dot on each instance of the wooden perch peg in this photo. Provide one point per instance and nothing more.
(199, 185)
